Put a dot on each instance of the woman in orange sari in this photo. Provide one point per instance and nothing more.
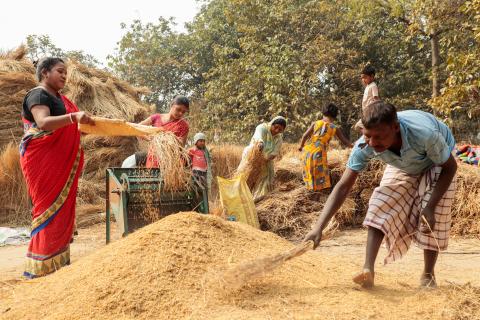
(51, 159)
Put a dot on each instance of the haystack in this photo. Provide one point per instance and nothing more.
(290, 210)
(93, 90)
(16, 78)
(14, 201)
(168, 270)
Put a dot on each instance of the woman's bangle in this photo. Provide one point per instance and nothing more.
(71, 119)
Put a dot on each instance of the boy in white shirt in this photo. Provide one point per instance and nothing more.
(370, 94)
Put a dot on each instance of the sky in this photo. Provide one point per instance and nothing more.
(88, 25)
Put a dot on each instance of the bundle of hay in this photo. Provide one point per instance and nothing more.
(16, 78)
(15, 207)
(101, 94)
(466, 206)
(172, 160)
(253, 167)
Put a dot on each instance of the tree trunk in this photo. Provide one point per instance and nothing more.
(434, 42)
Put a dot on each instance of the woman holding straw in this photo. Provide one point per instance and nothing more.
(173, 121)
(316, 174)
(51, 159)
(268, 138)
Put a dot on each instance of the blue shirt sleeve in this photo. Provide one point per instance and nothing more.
(437, 148)
(360, 156)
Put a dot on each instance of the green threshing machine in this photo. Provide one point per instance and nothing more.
(130, 192)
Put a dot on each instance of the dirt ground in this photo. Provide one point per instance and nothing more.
(460, 264)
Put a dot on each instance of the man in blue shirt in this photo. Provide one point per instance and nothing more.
(414, 199)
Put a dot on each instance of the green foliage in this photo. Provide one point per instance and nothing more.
(245, 61)
(40, 46)
(461, 94)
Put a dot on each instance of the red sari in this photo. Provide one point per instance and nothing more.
(178, 127)
(51, 163)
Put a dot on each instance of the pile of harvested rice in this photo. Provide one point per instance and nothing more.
(164, 271)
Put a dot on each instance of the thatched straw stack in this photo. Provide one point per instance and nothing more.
(466, 206)
(101, 94)
(14, 208)
(16, 78)
(92, 90)
(225, 160)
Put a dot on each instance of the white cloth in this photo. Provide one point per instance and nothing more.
(371, 91)
(129, 162)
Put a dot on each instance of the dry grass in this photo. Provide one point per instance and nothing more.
(172, 159)
(466, 206)
(13, 197)
(253, 168)
(102, 94)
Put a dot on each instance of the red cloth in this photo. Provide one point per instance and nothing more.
(198, 159)
(178, 127)
(46, 165)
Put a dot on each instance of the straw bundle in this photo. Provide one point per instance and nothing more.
(102, 94)
(253, 167)
(291, 210)
(104, 152)
(13, 197)
(466, 206)
(172, 160)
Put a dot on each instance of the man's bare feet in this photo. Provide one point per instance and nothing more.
(427, 280)
(365, 278)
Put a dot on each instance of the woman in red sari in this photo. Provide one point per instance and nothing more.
(51, 159)
(172, 121)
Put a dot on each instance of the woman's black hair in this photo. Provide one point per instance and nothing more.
(181, 100)
(330, 110)
(281, 122)
(46, 64)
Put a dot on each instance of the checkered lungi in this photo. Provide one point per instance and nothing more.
(395, 208)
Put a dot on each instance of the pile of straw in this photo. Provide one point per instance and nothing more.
(92, 90)
(104, 152)
(290, 209)
(466, 206)
(165, 270)
(253, 167)
(101, 94)
(16, 78)
(172, 160)
(15, 207)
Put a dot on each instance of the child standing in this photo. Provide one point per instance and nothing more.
(201, 165)
(370, 94)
